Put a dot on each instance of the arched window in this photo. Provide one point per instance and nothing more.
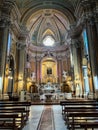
(48, 41)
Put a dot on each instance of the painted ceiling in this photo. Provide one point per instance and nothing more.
(47, 18)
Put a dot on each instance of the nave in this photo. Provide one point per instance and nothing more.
(39, 120)
(36, 114)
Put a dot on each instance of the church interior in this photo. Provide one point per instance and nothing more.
(49, 58)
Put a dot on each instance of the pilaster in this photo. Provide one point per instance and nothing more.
(59, 67)
(38, 70)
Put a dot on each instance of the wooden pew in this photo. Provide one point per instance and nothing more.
(13, 109)
(20, 111)
(79, 107)
(20, 108)
(25, 104)
(87, 125)
(15, 105)
(82, 109)
(91, 120)
(12, 121)
(76, 102)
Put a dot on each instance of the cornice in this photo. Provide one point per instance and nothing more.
(53, 49)
(54, 55)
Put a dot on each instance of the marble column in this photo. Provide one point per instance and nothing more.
(90, 10)
(21, 64)
(76, 56)
(4, 31)
(93, 49)
(72, 65)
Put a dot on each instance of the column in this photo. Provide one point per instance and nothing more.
(71, 60)
(91, 26)
(74, 34)
(72, 67)
(21, 64)
(4, 30)
(77, 67)
(93, 51)
(96, 17)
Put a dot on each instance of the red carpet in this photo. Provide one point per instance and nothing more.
(47, 119)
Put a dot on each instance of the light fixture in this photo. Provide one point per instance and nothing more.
(10, 77)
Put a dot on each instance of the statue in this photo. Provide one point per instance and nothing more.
(33, 76)
(64, 74)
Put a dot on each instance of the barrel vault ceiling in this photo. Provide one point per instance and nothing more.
(47, 18)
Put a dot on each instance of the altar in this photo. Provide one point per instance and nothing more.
(48, 97)
(49, 91)
(48, 88)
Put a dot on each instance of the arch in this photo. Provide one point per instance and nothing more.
(49, 70)
(55, 5)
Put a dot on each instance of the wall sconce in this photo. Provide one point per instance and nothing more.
(10, 77)
(77, 79)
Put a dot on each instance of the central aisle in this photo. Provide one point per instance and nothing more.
(47, 119)
(36, 114)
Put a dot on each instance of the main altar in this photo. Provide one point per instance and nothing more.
(49, 91)
(49, 88)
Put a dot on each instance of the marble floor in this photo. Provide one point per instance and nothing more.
(35, 115)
